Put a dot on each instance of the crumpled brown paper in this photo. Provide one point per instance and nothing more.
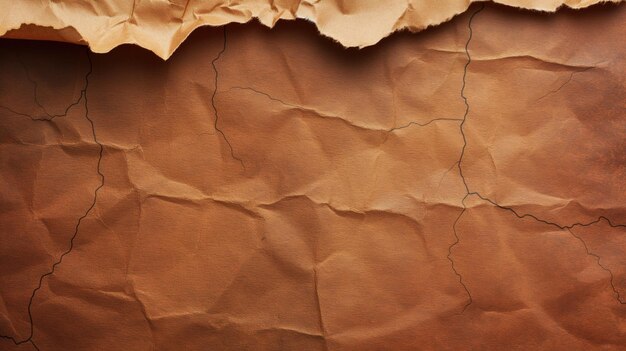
(457, 189)
(161, 26)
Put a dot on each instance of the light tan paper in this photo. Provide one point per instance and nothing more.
(461, 188)
(161, 26)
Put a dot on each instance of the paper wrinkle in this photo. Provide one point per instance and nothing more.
(161, 26)
(348, 228)
(320, 114)
(543, 63)
(182, 194)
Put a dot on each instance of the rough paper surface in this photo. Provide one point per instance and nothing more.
(461, 188)
(161, 26)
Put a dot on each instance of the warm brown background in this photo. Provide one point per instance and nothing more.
(314, 201)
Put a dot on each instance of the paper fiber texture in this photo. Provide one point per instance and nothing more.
(161, 26)
(461, 188)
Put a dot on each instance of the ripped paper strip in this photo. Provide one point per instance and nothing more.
(161, 26)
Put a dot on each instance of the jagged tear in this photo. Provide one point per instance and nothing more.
(161, 26)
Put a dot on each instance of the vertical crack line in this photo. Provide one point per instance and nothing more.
(230, 146)
(80, 219)
(33, 82)
(459, 162)
(598, 259)
(465, 100)
(449, 257)
(521, 216)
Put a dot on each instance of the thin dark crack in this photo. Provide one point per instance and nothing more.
(29, 339)
(569, 79)
(465, 101)
(559, 88)
(598, 258)
(35, 88)
(554, 224)
(449, 257)
(334, 117)
(47, 117)
(423, 124)
(569, 228)
(232, 152)
(443, 176)
(459, 162)
(521, 216)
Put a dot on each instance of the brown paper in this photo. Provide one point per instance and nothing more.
(461, 188)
